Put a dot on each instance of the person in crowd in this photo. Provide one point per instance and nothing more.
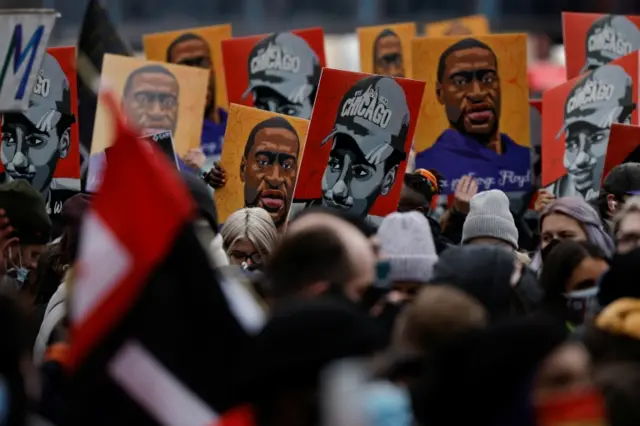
(19, 384)
(51, 288)
(626, 226)
(494, 276)
(26, 211)
(614, 336)
(622, 182)
(248, 237)
(206, 224)
(620, 385)
(527, 365)
(364, 226)
(436, 316)
(321, 254)
(407, 244)
(570, 218)
(489, 221)
(281, 384)
(569, 278)
(417, 194)
(453, 219)
(620, 281)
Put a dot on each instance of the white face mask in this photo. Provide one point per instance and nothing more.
(16, 273)
(582, 304)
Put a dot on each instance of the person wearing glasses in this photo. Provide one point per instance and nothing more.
(248, 236)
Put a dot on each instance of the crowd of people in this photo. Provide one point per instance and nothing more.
(449, 321)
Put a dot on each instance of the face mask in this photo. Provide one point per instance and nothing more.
(17, 273)
(386, 404)
(582, 304)
(545, 251)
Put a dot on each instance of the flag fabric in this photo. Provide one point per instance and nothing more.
(156, 335)
(97, 37)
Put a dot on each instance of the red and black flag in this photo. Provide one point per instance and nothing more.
(97, 37)
(156, 335)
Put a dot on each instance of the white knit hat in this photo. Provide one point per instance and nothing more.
(406, 242)
(489, 217)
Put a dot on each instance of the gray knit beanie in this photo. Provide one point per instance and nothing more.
(407, 243)
(489, 217)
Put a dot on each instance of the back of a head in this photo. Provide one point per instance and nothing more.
(254, 224)
(26, 210)
(479, 368)
(307, 256)
(623, 179)
(407, 243)
(357, 221)
(484, 272)
(489, 217)
(437, 314)
(303, 336)
(620, 385)
(579, 210)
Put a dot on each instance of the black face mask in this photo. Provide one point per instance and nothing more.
(545, 251)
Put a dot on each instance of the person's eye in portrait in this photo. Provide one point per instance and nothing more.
(585, 148)
(30, 152)
(192, 50)
(350, 182)
(387, 54)
(270, 100)
(469, 89)
(150, 99)
(269, 167)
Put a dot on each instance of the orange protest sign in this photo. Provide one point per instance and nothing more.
(261, 157)
(386, 49)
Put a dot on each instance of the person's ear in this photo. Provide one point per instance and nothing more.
(388, 180)
(65, 143)
(439, 93)
(612, 203)
(243, 168)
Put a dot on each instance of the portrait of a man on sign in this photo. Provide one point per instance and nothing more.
(469, 92)
(601, 98)
(387, 54)
(150, 99)
(269, 167)
(283, 75)
(35, 141)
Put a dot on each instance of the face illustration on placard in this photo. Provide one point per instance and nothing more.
(610, 37)
(469, 88)
(284, 73)
(192, 50)
(269, 167)
(595, 102)
(387, 54)
(150, 99)
(368, 141)
(34, 141)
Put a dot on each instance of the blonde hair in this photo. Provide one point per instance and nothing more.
(254, 224)
(632, 205)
